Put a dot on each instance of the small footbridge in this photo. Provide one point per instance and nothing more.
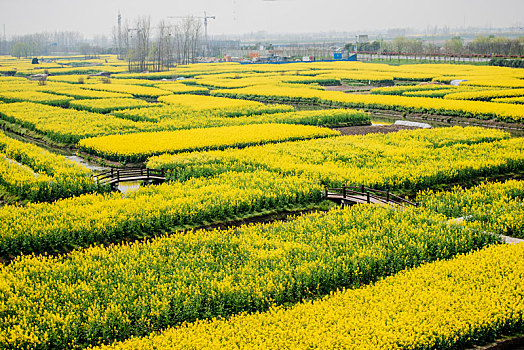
(116, 175)
(349, 195)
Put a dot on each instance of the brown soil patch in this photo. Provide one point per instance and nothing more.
(515, 343)
(372, 129)
(347, 88)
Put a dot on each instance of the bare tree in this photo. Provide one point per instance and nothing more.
(139, 44)
(180, 43)
(187, 37)
(162, 46)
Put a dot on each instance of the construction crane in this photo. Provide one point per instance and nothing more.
(205, 18)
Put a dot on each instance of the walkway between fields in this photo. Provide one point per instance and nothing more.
(506, 239)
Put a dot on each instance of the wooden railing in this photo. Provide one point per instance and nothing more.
(115, 176)
(363, 194)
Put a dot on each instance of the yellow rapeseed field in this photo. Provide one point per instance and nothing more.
(140, 146)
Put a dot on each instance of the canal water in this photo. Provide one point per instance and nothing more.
(86, 164)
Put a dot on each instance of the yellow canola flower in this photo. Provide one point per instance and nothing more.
(140, 146)
(170, 117)
(200, 118)
(516, 100)
(400, 90)
(79, 93)
(179, 88)
(92, 218)
(412, 159)
(35, 96)
(462, 108)
(106, 105)
(106, 293)
(196, 102)
(486, 95)
(67, 125)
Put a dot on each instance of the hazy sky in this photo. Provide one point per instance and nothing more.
(92, 17)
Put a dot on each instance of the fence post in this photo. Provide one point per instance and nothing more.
(362, 188)
(367, 195)
(147, 170)
(344, 191)
(118, 175)
(326, 191)
(387, 195)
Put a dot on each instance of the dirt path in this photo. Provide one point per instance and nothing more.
(512, 240)
(349, 88)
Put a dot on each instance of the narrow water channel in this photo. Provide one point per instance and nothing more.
(86, 164)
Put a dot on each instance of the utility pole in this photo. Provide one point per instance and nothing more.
(356, 47)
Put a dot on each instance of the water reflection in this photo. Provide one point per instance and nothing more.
(129, 186)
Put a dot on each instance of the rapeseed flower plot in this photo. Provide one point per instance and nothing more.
(35, 96)
(179, 88)
(486, 95)
(33, 173)
(173, 112)
(401, 90)
(461, 108)
(516, 100)
(102, 294)
(468, 300)
(79, 93)
(495, 207)
(174, 118)
(197, 102)
(135, 90)
(137, 147)
(106, 105)
(408, 159)
(66, 125)
(111, 217)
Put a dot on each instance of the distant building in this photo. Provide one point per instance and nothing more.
(363, 39)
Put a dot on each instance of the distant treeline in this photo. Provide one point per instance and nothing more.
(482, 45)
(504, 62)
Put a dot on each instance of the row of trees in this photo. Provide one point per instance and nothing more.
(155, 48)
(144, 46)
(40, 44)
(481, 45)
